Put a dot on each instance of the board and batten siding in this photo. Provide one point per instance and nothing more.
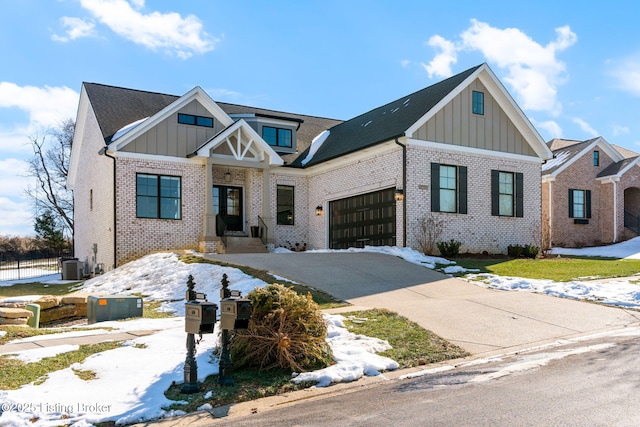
(455, 124)
(170, 138)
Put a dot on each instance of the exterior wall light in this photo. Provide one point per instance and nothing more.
(227, 177)
(399, 194)
(319, 210)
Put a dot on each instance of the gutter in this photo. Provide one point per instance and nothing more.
(103, 151)
(404, 189)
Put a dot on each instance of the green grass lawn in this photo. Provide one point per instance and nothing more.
(559, 269)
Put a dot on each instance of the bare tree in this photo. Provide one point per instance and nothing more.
(50, 167)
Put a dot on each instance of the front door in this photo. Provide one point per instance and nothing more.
(227, 202)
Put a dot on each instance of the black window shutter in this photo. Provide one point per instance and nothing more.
(462, 189)
(570, 203)
(587, 203)
(519, 195)
(495, 198)
(435, 187)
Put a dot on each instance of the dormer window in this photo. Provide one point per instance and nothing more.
(190, 119)
(277, 137)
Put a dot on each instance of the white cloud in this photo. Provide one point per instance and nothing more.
(551, 128)
(533, 71)
(440, 65)
(46, 106)
(12, 181)
(15, 210)
(15, 217)
(620, 130)
(627, 74)
(76, 28)
(169, 31)
(585, 127)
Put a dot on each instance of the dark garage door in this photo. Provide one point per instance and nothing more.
(368, 219)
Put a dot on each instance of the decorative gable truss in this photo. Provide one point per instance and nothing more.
(239, 145)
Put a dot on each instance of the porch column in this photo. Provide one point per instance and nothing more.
(209, 223)
(266, 201)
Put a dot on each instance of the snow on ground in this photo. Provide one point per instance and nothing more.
(623, 292)
(629, 249)
(131, 379)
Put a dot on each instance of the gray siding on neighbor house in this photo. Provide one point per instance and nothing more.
(455, 124)
(170, 138)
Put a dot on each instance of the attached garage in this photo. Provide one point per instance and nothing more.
(363, 220)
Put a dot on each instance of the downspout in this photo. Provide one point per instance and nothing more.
(103, 151)
(551, 207)
(615, 211)
(404, 190)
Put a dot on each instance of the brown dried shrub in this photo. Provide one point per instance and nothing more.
(286, 331)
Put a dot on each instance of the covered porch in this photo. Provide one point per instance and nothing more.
(238, 189)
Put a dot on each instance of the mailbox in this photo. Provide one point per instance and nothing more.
(200, 317)
(235, 313)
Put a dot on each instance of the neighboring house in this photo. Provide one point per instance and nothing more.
(590, 193)
(154, 172)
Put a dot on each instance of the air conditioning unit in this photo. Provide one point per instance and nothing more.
(72, 270)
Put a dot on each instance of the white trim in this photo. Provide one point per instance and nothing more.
(195, 94)
(238, 152)
(504, 100)
(156, 157)
(629, 166)
(550, 212)
(598, 142)
(471, 150)
(78, 137)
(615, 211)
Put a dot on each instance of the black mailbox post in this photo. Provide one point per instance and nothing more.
(235, 313)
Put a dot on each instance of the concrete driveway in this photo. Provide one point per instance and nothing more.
(482, 321)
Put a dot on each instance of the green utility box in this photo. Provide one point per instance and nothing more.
(34, 321)
(112, 307)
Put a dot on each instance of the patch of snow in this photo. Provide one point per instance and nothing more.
(315, 145)
(123, 130)
(355, 356)
(629, 249)
(455, 269)
(408, 254)
(367, 124)
(557, 161)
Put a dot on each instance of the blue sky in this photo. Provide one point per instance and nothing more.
(575, 71)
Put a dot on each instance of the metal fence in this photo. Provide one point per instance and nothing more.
(18, 268)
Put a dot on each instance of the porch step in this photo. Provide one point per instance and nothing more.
(244, 245)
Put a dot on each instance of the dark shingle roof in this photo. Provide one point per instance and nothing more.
(310, 126)
(116, 107)
(564, 155)
(614, 168)
(383, 123)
